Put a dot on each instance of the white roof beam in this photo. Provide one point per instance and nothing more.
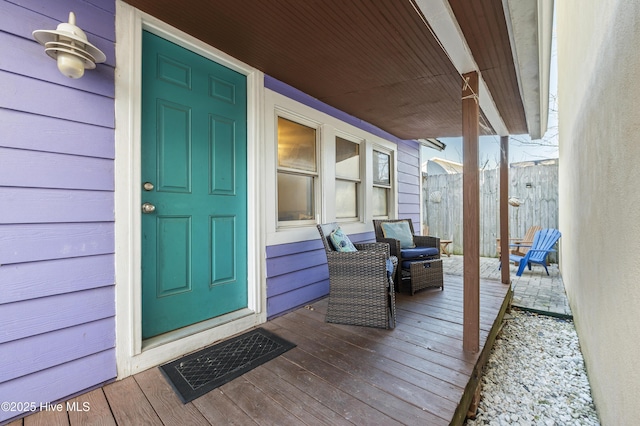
(530, 29)
(445, 27)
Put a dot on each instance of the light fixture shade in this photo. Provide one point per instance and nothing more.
(68, 44)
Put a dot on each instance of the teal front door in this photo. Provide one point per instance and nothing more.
(194, 188)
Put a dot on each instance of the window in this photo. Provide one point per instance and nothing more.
(320, 169)
(297, 171)
(347, 179)
(381, 183)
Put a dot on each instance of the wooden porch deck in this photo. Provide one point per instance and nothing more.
(416, 374)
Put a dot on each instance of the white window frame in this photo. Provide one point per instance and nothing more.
(317, 194)
(390, 187)
(276, 104)
(358, 182)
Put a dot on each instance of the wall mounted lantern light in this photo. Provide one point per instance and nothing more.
(69, 46)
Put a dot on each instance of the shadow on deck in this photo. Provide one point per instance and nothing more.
(414, 374)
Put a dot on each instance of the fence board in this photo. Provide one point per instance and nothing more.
(442, 196)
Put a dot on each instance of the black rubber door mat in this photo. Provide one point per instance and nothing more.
(200, 372)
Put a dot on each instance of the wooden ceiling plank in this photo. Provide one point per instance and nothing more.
(374, 59)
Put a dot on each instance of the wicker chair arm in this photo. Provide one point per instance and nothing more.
(373, 247)
(426, 241)
(394, 246)
(358, 256)
(358, 263)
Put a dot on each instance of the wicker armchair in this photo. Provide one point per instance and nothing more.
(406, 256)
(361, 291)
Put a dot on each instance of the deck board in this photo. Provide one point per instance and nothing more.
(299, 403)
(372, 339)
(327, 393)
(337, 374)
(165, 402)
(129, 404)
(219, 409)
(380, 371)
(50, 417)
(393, 352)
(96, 412)
(373, 386)
(259, 405)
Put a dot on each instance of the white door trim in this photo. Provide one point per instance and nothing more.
(132, 354)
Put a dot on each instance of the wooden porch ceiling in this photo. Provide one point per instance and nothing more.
(374, 59)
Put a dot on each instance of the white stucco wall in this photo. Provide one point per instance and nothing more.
(599, 94)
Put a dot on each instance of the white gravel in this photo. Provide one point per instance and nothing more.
(535, 376)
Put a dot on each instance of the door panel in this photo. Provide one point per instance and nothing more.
(173, 264)
(174, 147)
(194, 244)
(223, 263)
(223, 155)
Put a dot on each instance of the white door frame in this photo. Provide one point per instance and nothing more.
(132, 353)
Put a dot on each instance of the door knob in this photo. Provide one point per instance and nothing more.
(148, 208)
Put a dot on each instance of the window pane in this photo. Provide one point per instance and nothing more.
(295, 197)
(380, 203)
(347, 159)
(381, 168)
(296, 145)
(346, 199)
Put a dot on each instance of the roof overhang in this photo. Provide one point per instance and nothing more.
(445, 27)
(394, 64)
(530, 24)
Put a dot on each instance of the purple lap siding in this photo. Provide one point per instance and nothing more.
(296, 274)
(409, 176)
(32, 280)
(69, 378)
(24, 131)
(57, 299)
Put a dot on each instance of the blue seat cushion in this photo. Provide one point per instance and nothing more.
(419, 252)
(407, 263)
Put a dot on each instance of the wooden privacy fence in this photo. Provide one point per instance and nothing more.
(535, 186)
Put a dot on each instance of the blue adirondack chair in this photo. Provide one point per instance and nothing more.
(543, 243)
